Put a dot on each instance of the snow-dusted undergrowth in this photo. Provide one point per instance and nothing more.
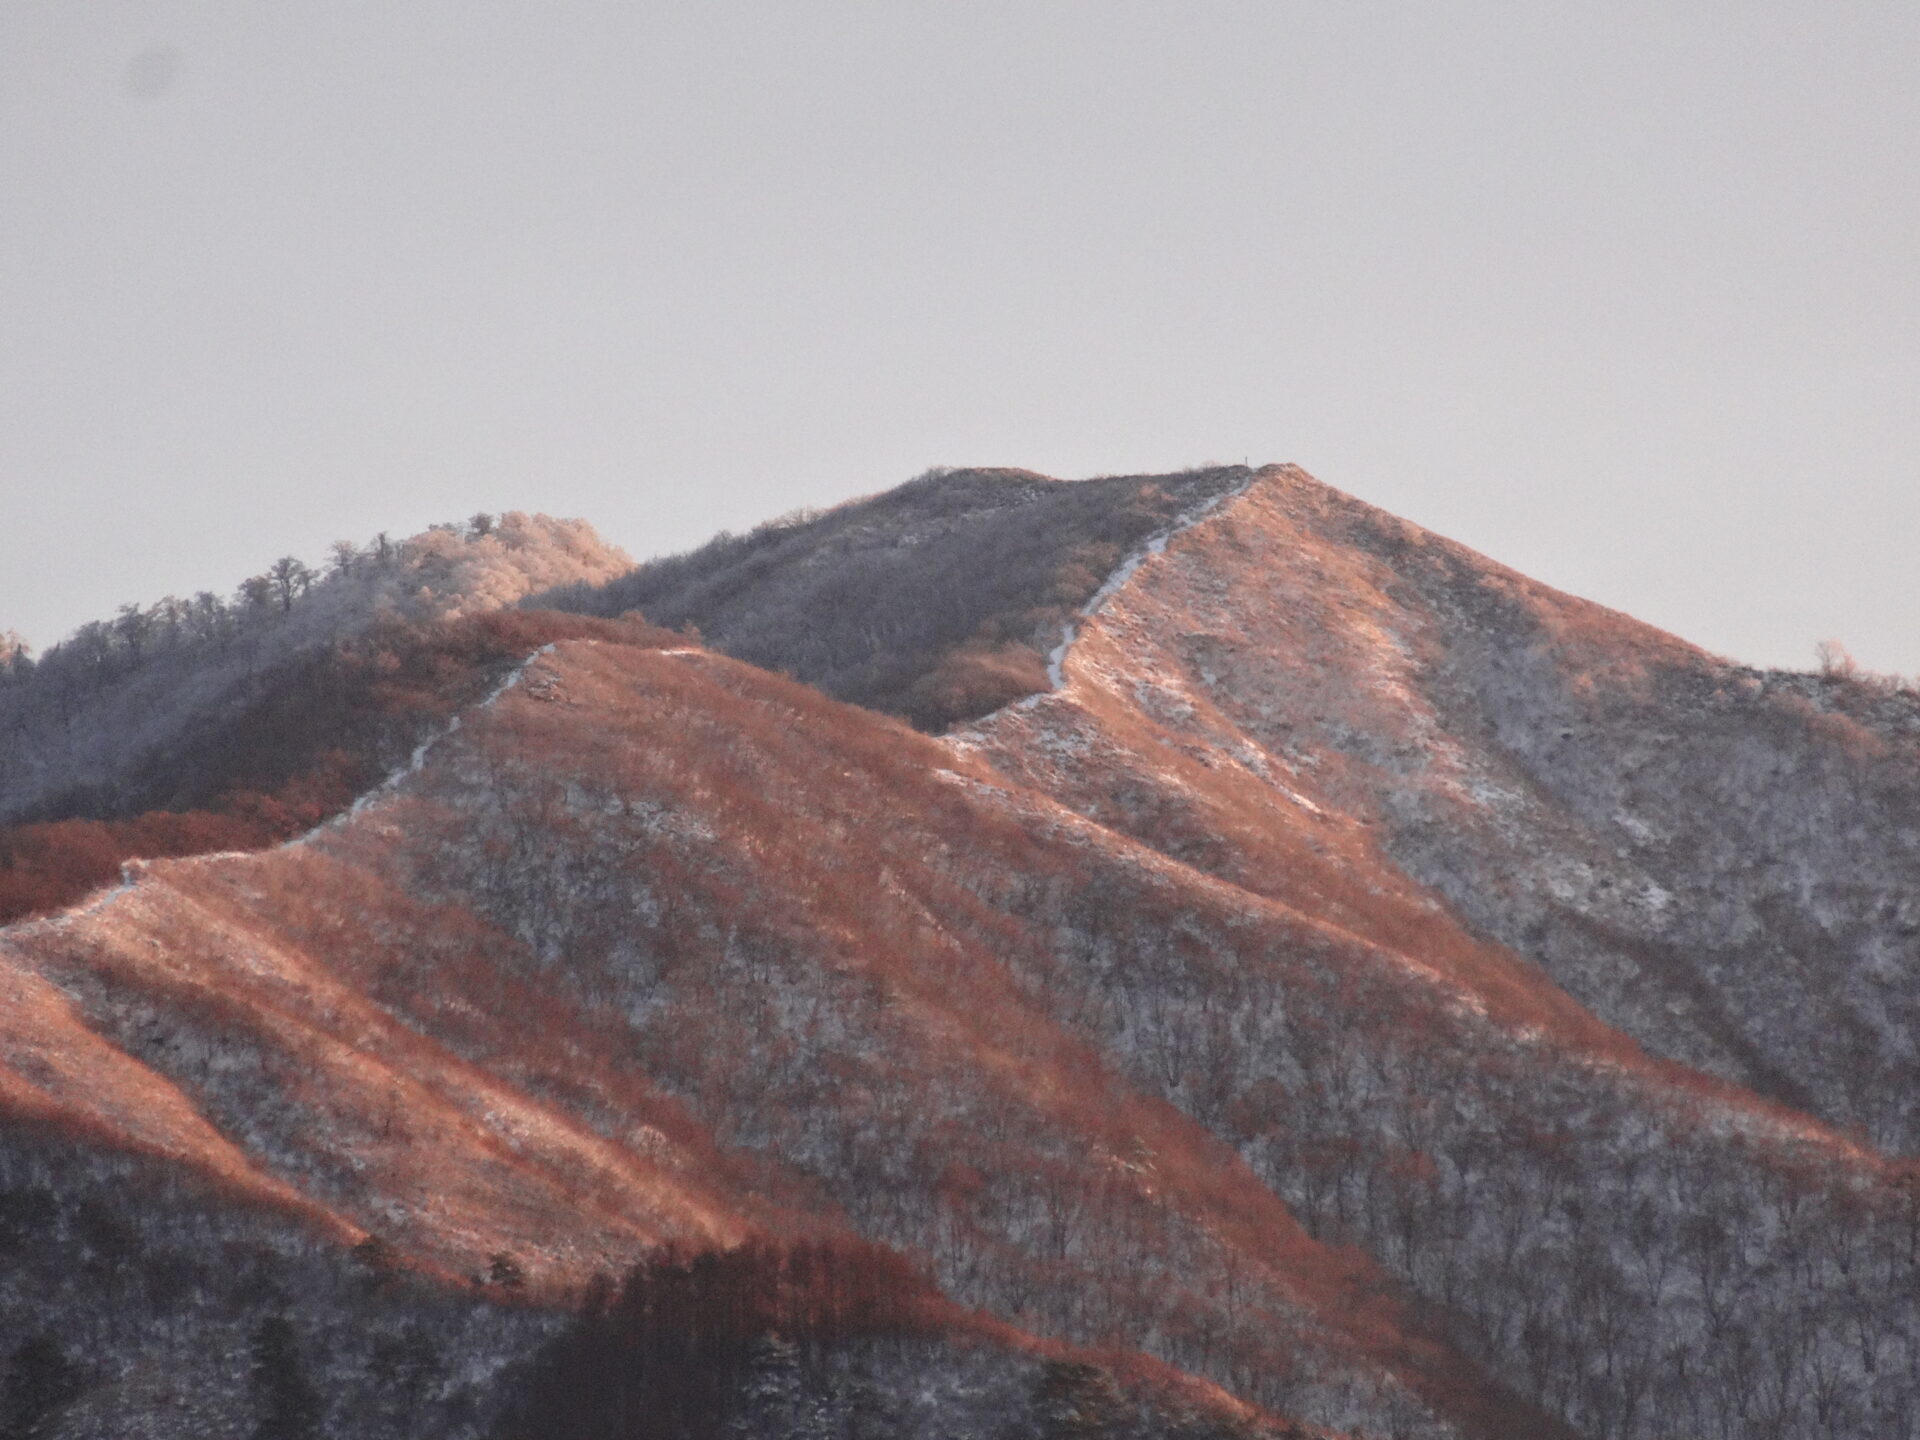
(1122, 573)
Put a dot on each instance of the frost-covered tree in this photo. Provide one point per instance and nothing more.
(254, 595)
(1076, 1401)
(773, 1398)
(134, 628)
(16, 657)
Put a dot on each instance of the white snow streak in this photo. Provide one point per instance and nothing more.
(1123, 572)
(421, 751)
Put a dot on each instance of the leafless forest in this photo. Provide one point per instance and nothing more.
(1156, 956)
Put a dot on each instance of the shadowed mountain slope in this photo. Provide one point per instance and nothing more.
(192, 726)
(307, 737)
(938, 601)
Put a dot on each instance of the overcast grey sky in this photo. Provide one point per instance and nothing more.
(1626, 295)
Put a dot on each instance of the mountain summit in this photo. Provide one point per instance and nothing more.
(1182, 954)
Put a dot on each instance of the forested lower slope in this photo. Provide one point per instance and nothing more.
(591, 981)
(1333, 979)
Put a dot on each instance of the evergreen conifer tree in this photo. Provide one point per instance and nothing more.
(288, 1406)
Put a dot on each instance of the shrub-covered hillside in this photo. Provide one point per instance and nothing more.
(938, 601)
(102, 725)
(187, 727)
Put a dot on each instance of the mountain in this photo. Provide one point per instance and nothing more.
(1165, 954)
(938, 602)
(193, 725)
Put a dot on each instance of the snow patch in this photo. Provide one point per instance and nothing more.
(1297, 798)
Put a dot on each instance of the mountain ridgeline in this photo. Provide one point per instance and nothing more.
(1183, 955)
(938, 602)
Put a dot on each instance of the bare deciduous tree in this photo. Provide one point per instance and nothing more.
(291, 577)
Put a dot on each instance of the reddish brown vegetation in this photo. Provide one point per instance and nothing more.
(319, 735)
(665, 946)
(46, 867)
(753, 754)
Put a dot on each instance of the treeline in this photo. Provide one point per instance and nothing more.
(936, 602)
(828, 1339)
(121, 693)
(405, 576)
(102, 650)
(672, 1355)
(1834, 662)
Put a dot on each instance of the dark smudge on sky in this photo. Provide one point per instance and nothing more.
(152, 72)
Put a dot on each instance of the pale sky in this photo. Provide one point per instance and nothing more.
(1626, 295)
